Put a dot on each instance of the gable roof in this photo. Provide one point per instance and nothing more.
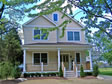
(53, 21)
(74, 20)
(37, 17)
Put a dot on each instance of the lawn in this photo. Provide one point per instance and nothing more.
(105, 71)
(67, 81)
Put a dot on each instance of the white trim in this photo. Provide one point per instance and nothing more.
(68, 49)
(72, 28)
(24, 61)
(37, 17)
(41, 26)
(59, 59)
(41, 72)
(40, 36)
(40, 58)
(86, 71)
(53, 16)
(73, 35)
(91, 65)
(50, 20)
(80, 58)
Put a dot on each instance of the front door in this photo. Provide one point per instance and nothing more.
(65, 60)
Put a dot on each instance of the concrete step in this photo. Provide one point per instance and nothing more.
(70, 74)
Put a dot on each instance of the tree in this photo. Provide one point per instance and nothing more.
(12, 49)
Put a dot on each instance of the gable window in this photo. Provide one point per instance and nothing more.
(55, 17)
(40, 57)
(73, 36)
(39, 35)
(78, 58)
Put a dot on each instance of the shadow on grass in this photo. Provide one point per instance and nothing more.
(10, 82)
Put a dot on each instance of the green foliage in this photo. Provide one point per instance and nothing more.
(108, 56)
(27, 75)
(82, 74)
(6, 70)
(95, 70)
(88, 73)
(16, 71)
(60, 72)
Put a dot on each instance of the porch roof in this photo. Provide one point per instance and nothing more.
(61, 45)
(58, 43)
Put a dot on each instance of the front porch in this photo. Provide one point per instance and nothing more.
(50, 59)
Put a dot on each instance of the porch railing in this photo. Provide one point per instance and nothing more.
(76, 67)
(41, 67)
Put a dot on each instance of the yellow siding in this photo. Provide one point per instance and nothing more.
(52, 61)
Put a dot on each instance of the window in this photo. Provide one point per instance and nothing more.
(78, 58)
(40, 57)
(70, 36)
(39, 35)
(55, 17)
(73, 36)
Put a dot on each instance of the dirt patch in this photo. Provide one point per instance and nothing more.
(10, 82)
(89, 77)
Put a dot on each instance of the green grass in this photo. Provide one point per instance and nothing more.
(105, 71)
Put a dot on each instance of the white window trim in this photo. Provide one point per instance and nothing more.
(73, 36)
(53, 17)
(40, 59)
(80, 58)
(40, 36)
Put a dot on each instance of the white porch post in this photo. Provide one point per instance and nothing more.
(91, 65)
(58, 59)
(24, 61)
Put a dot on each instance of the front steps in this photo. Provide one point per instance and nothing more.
(70, 74)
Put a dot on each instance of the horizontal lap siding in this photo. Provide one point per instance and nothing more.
(52, 63)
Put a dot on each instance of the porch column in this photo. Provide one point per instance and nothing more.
(58, 59)
(91, 65)
(24, 61)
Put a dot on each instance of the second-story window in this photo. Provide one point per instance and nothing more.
(73, 36)
(39, 35)
(55, 17)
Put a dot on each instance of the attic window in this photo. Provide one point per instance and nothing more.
(55, 17)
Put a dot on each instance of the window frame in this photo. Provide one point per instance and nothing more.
(57, 17)
(40, 36)
(40, 59)
(73, 36)
(80, 58)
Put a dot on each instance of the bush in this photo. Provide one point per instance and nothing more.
(95, 70)
(82, 74)
(39, 74)
(60, 72)
(16, 72)
(88, 73)
(6, 69)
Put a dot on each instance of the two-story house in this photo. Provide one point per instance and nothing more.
(47, 55)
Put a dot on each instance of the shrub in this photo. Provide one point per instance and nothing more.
(60, 72)
(88, 73)
(95, 70)
(82, 74)
(6, 69)
(16, 72)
